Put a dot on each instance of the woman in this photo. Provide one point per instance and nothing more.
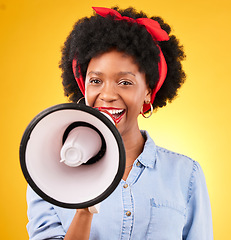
(127, 64)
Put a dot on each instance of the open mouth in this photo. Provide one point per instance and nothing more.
(116, 113)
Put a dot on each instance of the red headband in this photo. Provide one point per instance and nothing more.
(157, 33)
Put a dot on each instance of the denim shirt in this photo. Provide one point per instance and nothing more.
(164, 197)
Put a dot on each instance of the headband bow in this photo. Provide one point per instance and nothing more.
(157, 33)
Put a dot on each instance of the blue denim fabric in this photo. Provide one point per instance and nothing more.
(165, 198)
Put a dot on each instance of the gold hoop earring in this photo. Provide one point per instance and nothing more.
(151, 111)
(80, 100)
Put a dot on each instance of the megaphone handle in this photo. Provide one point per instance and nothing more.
(94, 209)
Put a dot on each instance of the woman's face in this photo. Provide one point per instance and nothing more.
(114, 83)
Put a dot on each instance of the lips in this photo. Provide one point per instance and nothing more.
(116, 113)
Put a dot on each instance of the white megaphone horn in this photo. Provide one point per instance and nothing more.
(72, 155)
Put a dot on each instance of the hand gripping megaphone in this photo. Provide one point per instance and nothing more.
(72, 155)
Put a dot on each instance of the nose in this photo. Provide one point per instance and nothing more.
(108, 93)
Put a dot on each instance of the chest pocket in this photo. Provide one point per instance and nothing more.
(166, 220)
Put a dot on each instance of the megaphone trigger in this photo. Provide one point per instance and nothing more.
(94, 209)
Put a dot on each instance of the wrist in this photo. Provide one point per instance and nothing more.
(84, 212)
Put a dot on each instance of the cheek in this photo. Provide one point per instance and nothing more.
(134, 104)
(89, 97)
(136, 99)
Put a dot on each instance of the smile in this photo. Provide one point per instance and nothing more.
(116, 113)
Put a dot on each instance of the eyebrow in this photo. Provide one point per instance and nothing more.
(95, 72)
(119, 73)
(126, 73)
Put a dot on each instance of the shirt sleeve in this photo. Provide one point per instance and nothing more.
(199, 217)
(44, 222)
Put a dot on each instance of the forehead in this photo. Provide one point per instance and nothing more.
(113, 61)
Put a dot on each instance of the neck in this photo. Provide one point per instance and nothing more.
(134, 143)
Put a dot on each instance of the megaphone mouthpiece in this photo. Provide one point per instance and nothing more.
(82, 144)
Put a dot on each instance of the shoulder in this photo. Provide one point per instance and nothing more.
(180, 169)
(177, 161)
(178, 164)
(163, 158)
(173, 158)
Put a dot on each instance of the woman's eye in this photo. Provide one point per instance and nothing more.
(94, 81)
(125, 82)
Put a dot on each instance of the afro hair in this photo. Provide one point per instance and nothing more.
(96, 35)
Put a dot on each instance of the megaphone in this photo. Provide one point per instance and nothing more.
(72, 155)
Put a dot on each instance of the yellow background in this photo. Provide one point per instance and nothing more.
(196, 124)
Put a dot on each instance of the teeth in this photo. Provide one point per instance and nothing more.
(115, 111)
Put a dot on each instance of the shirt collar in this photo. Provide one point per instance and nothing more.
(148, 156)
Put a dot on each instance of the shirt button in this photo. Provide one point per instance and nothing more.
(128, 213)
(125, 185)
(138, 164)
